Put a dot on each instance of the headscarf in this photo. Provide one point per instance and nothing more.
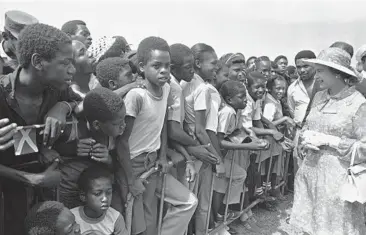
(101, 46)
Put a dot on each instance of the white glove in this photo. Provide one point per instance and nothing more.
(318, 139)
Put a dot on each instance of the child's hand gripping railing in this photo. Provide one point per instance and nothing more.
(130, 198)
(287, 146)
(289, 135)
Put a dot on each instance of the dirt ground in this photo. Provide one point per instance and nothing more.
(273, 223)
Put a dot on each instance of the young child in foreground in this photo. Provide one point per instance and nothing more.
(95, 184)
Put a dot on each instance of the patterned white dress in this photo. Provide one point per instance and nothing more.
(318, 208)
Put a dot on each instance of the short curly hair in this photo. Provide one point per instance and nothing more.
(71, 26)
(231, 88)
(254, 76)
(273, 78)
(42, 218)
(148, 45)
(109, 69)
(274, 65)
(279, 58)
(42, 39)
(96, 171)
(178, 52)
(102, 104)
(260, 59)
(251, 58)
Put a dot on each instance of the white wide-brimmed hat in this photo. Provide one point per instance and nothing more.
(335, 58)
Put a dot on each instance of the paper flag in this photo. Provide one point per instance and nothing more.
(25, 141)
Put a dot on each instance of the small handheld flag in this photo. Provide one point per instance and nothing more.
(25, 139)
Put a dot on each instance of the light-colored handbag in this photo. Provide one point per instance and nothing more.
(354, 190)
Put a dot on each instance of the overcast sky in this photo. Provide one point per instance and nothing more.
(251, 27)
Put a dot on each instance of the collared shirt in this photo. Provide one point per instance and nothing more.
(175, 102)
(212, 120)
(272, 108)
(252, 112)
(228, 120)
(298, 100)
(197, 97)
(149, 113)
(10, 109)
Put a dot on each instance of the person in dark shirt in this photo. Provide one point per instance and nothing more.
(35, 93)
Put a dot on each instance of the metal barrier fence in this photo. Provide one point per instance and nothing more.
(223, 224)
(243, 210)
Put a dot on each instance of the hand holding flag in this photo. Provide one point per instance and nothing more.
(25, 139)
(7, 132)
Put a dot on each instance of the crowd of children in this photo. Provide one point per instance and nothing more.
(219, 130)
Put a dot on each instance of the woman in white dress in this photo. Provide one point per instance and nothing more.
(333, 129)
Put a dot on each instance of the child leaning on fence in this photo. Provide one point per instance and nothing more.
(231, 142)
(272, 111)
(146, 137)
(197, 105)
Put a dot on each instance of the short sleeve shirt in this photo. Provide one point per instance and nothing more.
(149, 113)
(111, 222)
(298, 100)
(227, 120)
(212, 118)
(176, 102)
(252, 112)
(197, 97)
(272, 110)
